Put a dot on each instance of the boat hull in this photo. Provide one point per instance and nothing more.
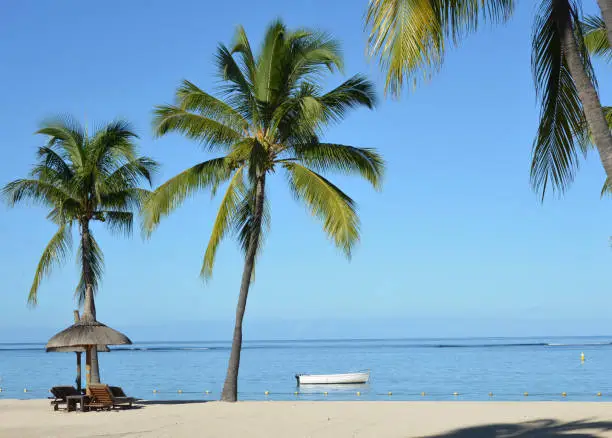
(332, 379)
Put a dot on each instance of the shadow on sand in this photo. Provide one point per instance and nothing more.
(533, 429)
(169, 402)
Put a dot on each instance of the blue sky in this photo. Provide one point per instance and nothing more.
(457, 244)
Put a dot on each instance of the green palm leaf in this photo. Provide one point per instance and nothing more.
(410, 36)
(172, 193)
(235, 191)
(119, 221)
(191, 98)
(561, 135)
(66, 135)
(55, 253)
(328, 203)
(327, 157)
(209, 132)
(37, 191)
(595, 37)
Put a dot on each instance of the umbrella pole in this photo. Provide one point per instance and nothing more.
(88, 366)
(78, 370)
(77, 318)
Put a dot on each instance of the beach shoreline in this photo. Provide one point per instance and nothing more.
(429, 419)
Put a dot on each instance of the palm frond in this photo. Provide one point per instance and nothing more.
(267, 79)
(309, 54)
(94, 259)
(111, 144)
(354, 92)
(607, 188)
(37, 191)
(595, 37)
(207, 131)
(560, 136)
(130, 199)
(68, 137)
(243, 47)
(236, 88)
(327, 157)
(410, 36)
(51, 160)
(54, 254)
(223, 221)
(191, 98)
(307, 112)
(172, 193)
(119, 222)
(328, 203)
(130, 174)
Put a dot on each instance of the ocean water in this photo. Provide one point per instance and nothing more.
(473, 368)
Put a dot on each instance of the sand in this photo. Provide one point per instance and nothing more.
(34, 418)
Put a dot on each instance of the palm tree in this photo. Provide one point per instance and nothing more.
(267, 117)
(81, 179)
(410, 38)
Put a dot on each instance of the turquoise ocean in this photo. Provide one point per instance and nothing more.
(401, 369)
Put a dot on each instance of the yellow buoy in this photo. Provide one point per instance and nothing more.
(25, 390)
(599, 394)
(180, 391)
(325, 393)
(267, 393)
(423, 394)
(582, 357)
(455, 394)
(525, 394)
(564, 394)
(358, 393)
(296, 393)
(390, 393)
(155, 390)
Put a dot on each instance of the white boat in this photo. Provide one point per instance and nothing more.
(331, 379)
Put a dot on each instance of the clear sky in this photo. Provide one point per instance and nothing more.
(457, 244)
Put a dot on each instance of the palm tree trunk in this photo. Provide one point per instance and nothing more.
(89, 305)
(230, 387)
(587, 93)
(606, 13)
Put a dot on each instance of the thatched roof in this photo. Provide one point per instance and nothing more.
(103, 348)
(86, 333)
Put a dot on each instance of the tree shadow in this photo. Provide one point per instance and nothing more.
(170, 402)
(545, 428)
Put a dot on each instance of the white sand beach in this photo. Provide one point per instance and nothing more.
(34, 418)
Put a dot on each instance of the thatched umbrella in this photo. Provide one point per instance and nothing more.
(86, 334)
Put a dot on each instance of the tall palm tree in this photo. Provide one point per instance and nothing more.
(83, 179)
(410, 38)
(267, 117)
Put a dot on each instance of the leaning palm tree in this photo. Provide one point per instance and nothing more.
(410, 38)
(266, 118)
(83, 179)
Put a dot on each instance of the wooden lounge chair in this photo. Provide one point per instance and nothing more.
(59, 395)
(101, 397)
